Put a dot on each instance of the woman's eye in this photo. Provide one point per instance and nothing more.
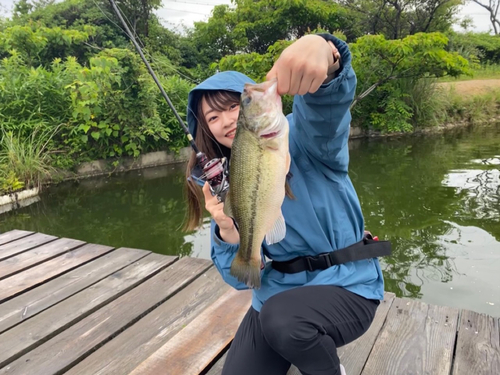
(213, 118)
(234, 106)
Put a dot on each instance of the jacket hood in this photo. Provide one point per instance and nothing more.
(228, 80)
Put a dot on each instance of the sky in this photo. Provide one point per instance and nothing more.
(175, 14)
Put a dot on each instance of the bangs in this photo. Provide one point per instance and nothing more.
(220, 100)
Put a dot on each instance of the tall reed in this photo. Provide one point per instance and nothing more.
(28, 158)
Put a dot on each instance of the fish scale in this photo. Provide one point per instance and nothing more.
(257, 178)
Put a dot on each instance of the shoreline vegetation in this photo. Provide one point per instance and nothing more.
(74, 91)
(466, 109)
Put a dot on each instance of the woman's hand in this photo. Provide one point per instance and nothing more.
(227, 229)
(302, 66)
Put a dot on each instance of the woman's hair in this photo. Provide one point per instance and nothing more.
(219, 100)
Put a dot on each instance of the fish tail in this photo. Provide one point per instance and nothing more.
(247, 272)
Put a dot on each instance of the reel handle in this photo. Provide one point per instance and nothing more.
(216, 173)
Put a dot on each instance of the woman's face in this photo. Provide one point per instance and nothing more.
(222, 124)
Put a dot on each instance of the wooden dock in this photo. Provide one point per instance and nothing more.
(68, 307)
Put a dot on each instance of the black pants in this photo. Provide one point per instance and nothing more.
(303, 326)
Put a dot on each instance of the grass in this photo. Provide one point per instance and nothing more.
(26, 160)
(482, 72)
(474, 109)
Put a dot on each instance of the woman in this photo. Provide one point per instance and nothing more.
(304, 309)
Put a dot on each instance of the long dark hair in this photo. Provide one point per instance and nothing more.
(220, 100)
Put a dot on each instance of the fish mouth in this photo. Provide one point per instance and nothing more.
(269, 135)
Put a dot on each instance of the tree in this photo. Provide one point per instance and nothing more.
(41, 45)
(22, 7)
(492, 7)
(379, 60)
(75, 14)
(398, 18)
(254, 26)
(383, 67)
(137, 12)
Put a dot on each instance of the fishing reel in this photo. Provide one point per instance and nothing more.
(215, 172)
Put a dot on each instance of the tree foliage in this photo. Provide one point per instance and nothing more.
(478, 48)
(382, 65)
(41, 45)
(68, 64)
(398, 18)
(254, 26)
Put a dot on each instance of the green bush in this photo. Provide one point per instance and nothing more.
(177, 89)
(478, 48)
(41, 45)
(109, 108)
(32, 95)
(391, 74)
(9, 183)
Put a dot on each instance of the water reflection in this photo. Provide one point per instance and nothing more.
(423, 194)
(142, 210)
(437, 199)
(482, 190)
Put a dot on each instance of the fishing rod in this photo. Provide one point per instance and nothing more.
(216, 170)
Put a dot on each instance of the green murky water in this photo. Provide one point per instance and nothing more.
(437, 198)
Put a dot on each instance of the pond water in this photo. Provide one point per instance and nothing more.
(436, 198)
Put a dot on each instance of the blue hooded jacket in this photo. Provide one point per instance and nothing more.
(325, 214)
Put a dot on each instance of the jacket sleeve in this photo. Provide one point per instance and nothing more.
(322, 119)
(222, 254)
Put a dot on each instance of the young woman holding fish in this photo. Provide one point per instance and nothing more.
(305, 305)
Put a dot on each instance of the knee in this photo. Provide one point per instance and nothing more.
(282, 328)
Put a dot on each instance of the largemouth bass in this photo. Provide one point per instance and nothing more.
(258, 169)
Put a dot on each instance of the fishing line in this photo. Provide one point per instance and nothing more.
(215, 170)
(155, 78)
(149, 54)
(130, 24)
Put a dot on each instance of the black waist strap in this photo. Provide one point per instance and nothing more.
(365, 249)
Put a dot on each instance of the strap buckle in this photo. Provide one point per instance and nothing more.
(319, 262)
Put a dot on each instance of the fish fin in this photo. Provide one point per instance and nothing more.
(228, 211)
(246, 272)
(277, 232)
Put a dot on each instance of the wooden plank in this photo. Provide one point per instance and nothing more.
(193, 348)
(354, 355)
(216, 369)
(72, 345)
(50, 322)
(126, 351)
(18, 246)
(478, 345)
(16, 284)
(416, 339)
(27, 305)
(36, 256)
(13, 235)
